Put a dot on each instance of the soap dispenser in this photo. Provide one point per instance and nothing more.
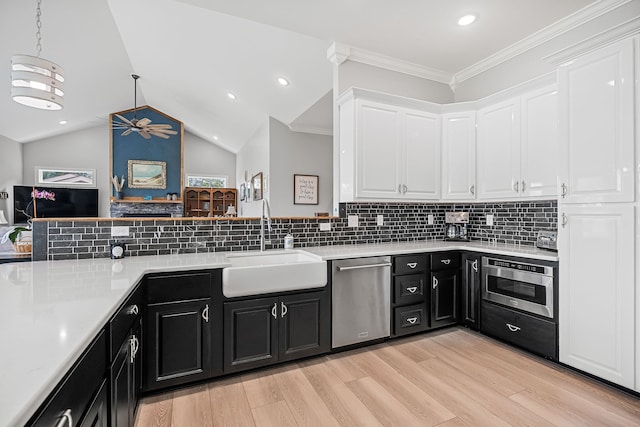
(288, 241)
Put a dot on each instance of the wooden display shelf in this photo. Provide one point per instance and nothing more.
(142, 200)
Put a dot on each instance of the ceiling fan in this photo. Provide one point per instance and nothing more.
(142, 126)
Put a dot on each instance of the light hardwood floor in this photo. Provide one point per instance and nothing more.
(453, 377)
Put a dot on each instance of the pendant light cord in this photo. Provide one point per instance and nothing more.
(38, 28)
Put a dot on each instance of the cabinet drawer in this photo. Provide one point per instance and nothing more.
(531, 333)
(410, 319)
(178, 287)
(408, 289)
(445, 260)
(77, 390)
(122, 321)
(410, 264)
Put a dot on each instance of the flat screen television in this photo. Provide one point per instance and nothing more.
(53, 202)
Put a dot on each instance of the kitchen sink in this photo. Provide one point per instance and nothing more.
(272, 271)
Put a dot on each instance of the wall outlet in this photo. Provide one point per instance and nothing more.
(325, 226)
(489, 219)
(120, 231)
(380, 219)
(430, 219)
(352, 221)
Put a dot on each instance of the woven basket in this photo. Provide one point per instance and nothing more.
(22, 246)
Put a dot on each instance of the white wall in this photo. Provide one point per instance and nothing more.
(251, 159)
(298, 153)
(356, 74)
(204, 158)
(10, 172)
(86, 148)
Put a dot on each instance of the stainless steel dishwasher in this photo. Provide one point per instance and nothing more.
(361, 304)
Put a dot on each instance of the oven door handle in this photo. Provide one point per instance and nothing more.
(513, 328)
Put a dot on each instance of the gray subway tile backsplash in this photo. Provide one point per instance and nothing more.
(514, 222)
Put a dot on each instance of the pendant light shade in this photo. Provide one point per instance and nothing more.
(36, 82)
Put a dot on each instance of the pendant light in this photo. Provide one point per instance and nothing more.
(36, 82)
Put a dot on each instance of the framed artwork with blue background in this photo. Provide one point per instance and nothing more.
(163, 154)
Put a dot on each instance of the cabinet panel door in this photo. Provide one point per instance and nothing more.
(459, 156)
(470, 301)
(420, 170)
(378, 151)
(597, 125)
(178, 343)
(444, 297)
(121, 390)
(539, 143)
(97, 413)
(499, 150)
(596, 290)
(250, 333)
(305, 327)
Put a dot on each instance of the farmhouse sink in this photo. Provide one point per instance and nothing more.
(272, 271)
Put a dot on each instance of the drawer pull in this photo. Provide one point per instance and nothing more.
(133, 310)
(412, 320)
(66, 416)
(513, 328)
(274, 310)
(283, 309)
(445, 261)
(412, 264)
(134, 345)
(435, 283)
(412, 289)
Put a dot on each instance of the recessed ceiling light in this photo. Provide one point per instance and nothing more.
(283, 81)
(466, 20)
(63, 122)
(215, 137)
(231, 96)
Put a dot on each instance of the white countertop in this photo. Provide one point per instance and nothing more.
(51, 310)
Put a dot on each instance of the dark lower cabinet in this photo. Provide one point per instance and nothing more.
(470, 290)
(444, 297)
(263, 331)
(98, 414)
(125, 379)
(178, 343)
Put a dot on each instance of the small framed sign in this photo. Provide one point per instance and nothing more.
(305, 189)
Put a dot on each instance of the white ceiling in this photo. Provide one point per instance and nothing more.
(190, 53)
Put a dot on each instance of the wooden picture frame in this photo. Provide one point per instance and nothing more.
(305, 189)
(243, 192)
(147, 174)
(256, 186)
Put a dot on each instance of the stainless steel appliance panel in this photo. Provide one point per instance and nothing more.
(361, 300)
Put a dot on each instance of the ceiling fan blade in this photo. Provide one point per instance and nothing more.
(124, 119)
(143, 122)
(161, 126)
(126, 132)
(163, 131)
(145, 134)
(160, 135)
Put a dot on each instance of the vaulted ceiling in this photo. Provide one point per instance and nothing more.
(191, 53)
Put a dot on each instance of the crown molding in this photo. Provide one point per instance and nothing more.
(611, 35)
(564, 25)
(311, 129)
(338, 53)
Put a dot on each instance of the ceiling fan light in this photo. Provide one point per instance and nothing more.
(36, 82)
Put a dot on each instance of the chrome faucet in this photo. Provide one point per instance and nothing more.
(264, 218)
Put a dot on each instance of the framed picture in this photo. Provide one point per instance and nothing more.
(243, 192)
(305, 189)
(256, 184)
(147, 174)
(65, 177)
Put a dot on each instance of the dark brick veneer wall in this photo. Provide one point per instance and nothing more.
(514, 222)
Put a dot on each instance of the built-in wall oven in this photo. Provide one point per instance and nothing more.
(520, 285)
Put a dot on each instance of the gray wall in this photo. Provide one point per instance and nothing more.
(252, 158)
(298, 153)
(10, 172)
(204, 158)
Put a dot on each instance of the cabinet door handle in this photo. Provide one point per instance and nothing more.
(435, 283)
(445, 261)
(412, 265)
(205, 313)
(274, 310)
(512, 328)
(564, 220)
(283, 309)
(134, 345)
(399, 188)
(412, 289)
(404, 189)
(524, 185)
(563, 190)
(474, 265)
(133, 310)
(472, 190)
(516, 185)
(66, 416)
(412, 320)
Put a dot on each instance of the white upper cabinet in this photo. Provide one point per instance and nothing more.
(539, 143)
(597, 126)
(420, 171)
(459, 156)
(499, 150)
